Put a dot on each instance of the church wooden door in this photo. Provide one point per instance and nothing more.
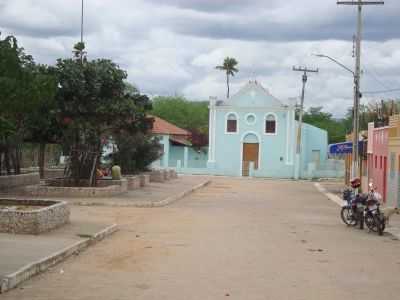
(250, 154)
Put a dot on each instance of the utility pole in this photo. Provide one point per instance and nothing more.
(82, 23)
(357, 94)
(305, 70)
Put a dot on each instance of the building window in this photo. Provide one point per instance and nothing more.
(380, 162)
(231, 123)
(376, 161)
(270, 124)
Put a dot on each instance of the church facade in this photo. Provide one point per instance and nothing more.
(254, 134)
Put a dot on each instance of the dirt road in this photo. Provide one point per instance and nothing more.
(236, 239)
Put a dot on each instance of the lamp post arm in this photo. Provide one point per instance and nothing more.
(337, 62)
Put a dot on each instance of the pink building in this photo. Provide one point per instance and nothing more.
(378, 158)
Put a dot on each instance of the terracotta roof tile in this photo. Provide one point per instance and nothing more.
(161, 126)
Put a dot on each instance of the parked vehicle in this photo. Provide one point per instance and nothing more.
(374, 218)
(352, 213)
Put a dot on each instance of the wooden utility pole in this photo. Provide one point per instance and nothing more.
(305, 70)
(357, 94)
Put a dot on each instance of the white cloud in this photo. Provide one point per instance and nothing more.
(173, 46)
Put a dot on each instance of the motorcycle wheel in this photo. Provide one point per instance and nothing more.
(375, 223)
(347, 216)
(370, 222)
(379, 224)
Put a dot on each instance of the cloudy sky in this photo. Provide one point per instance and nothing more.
(172, 46)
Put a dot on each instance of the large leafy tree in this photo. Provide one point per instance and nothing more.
(42, 123)
(22, 87)
(229, 66)
(93, 104)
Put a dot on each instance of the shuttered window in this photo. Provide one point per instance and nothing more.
(231, 124)
(270, 124)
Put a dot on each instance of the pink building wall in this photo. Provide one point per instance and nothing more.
(378, 159)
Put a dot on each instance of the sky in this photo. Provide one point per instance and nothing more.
(171, 47)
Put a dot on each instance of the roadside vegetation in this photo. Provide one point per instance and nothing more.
(79, 104)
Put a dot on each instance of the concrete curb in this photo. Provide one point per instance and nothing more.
(392, 231)
(171, 199)
(10, 281)
(149, 204)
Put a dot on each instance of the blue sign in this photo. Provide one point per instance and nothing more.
(344, 148)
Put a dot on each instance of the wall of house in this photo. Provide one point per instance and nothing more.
(393, 194)
(314, 141)
(380, 161)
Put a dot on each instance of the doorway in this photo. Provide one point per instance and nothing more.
(250, 154)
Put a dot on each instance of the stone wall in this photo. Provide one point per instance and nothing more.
(157, 176)
(45, 216)
(172, 174)
(12, 181)
(53, 173)
(85, 192)
(144, 179)
(133, 182)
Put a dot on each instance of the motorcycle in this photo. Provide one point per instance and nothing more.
(374, 218)
(352, 213)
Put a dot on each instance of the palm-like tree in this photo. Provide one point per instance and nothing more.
(229, 67)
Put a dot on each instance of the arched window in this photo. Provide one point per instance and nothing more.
(231, 123)
(270, 124)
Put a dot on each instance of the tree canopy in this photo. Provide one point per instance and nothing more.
(190, 115)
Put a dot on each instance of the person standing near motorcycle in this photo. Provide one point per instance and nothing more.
(359, 201)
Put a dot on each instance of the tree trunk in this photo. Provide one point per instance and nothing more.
(227, 84)
(42, 155)
(7, 161)
(18, 156)
(14, 162)
(1, 163)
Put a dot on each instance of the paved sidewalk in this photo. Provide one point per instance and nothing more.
(18, 251)
(333, 191)
(154, 194)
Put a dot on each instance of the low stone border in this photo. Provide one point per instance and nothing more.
(171, 199)
(134, 182)
(44, 216)
(53, 173)
(167, 175)
(12, 181)
(157, 176)
(12, 280)
(84, 192)
(144, 179)
(173, 174)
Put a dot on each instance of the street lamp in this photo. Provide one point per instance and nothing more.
(356, 112)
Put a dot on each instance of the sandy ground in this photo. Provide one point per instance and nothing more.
(236, 239)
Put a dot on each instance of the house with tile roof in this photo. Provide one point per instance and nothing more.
(177, 147)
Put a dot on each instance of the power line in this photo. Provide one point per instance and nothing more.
(382, 91)
(305, 70)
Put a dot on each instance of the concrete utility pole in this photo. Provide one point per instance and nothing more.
(357, 94)
(82, 23)
(297, 166)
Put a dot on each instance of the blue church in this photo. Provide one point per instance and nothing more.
(254, 134)
(250, 134)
